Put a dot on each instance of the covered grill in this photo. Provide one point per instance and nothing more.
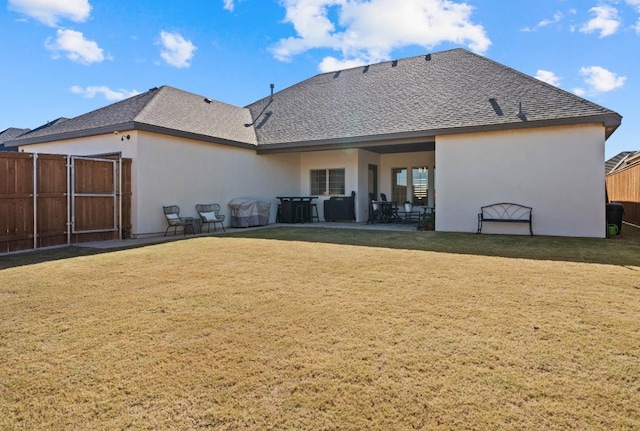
(247, 212)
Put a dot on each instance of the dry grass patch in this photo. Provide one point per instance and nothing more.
(241, 333)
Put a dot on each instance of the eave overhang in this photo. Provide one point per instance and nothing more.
(610, 122)
(128, 126)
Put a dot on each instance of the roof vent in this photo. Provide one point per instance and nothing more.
(207, 100)
(335, 75)
(427, 57)
(521, 114)
(394, 63)
(496, 107)
(153, 89)
(366, 69)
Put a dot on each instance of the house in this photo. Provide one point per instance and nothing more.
(623, 184)
(620, 161)
(495, 134)
(8, 135)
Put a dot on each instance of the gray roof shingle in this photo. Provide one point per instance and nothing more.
(619, 161)
(165, 109)
(452, 90)
(8, 135)
(419, 97)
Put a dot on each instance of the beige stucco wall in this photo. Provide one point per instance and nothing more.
(338, 159)
(107, 143)
(186, 172)
(168, 170)
(556, 170)
(365, 158)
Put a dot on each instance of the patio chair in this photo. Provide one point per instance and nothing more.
(374, 209)
(172, 214)
(210, 213)
(391, 208)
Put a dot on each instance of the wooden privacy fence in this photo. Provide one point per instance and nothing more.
(49, 199)
(624, 186)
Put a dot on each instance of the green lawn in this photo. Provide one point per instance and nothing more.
(323, 329)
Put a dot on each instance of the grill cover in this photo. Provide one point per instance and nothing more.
(247, 212)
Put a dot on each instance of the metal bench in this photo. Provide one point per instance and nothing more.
(505, 213)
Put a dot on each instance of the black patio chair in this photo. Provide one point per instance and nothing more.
(391, 208)
(172, 214)
(210, 213)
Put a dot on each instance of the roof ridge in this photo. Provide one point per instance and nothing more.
(144, 107)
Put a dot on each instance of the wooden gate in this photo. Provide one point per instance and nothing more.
(48, 199)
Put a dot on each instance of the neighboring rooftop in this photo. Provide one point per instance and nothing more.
(621, 160)
(8, 135)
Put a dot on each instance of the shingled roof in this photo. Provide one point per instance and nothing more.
(9, 134)
(408, 101)
(419, 97)
(619, 161)
(165, 110)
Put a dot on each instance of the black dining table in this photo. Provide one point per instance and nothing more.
(295, 209)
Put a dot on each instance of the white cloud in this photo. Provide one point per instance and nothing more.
(606, 21)
(601, 80)
(176, 50)
(556, 18)
(50, 12)
(636, 4)
(331, 64)
(228, 5)
(366, 31)
(109, 94)
(75, 47)
(548, 77)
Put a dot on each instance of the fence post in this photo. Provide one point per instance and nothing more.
(69, 170)
(35, 200)
(120, 195)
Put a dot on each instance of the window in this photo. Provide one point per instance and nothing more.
(398, 185)
(420, 185)
(327, 182)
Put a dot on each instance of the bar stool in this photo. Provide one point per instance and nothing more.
(300, 212)
(314, 213)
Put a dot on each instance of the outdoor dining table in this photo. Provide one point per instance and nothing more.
(295, 209)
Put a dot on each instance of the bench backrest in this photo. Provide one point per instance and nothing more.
(506, 211)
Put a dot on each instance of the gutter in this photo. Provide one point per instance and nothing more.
(609, 121)
(123, 127)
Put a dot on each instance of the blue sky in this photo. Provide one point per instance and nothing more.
(62, 58)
